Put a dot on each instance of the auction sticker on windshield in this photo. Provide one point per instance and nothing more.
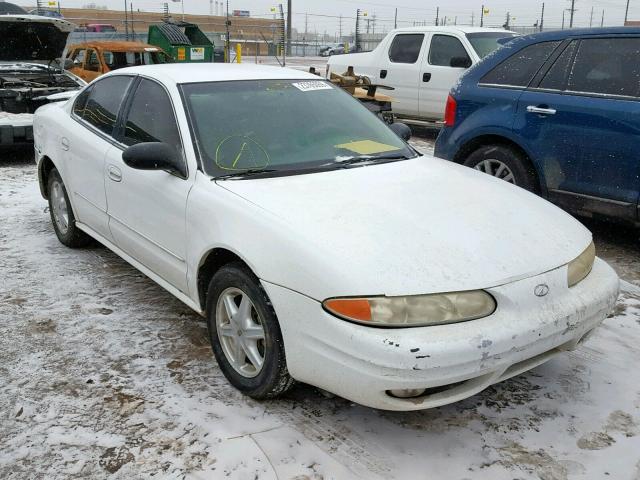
(312, 86)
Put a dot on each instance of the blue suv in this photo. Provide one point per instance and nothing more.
(557, 113)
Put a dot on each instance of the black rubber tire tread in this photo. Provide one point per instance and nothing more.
(523, 172)
(274, 379)
(74, 237)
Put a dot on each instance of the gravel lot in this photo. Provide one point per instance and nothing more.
(105, 375)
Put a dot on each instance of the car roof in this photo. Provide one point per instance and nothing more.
(216, 72)
(114, 46)
(61, 23)
(451, 29)
(581, 32)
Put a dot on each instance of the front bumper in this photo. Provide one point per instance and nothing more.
(454, 361)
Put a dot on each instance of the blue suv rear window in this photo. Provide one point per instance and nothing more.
(519, 69)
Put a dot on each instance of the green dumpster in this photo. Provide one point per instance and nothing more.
(185, 42)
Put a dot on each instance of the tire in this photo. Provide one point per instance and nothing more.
(62, 217)
(235, 282)
(506, 163)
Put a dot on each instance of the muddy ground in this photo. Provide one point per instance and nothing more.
(105, 375)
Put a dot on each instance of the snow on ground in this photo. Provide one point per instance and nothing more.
(105, 375)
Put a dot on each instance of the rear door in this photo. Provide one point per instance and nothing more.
(582, 122)
(399, 69)
(446, 60)
(85, 147)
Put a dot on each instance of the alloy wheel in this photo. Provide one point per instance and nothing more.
(497, 169)
(241, 332)
(59, 206)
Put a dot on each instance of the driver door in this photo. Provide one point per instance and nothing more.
(146, 208)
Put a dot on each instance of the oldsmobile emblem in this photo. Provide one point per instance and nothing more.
(541, 290)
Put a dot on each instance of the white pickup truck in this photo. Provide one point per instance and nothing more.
(421, 64)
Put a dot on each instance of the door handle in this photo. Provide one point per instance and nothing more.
(541, 110)
(114, 173)
(64, 143)
(383, 74)
(426, 77)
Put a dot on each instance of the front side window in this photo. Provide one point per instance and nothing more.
(607, 66)
(405, 48)
(519, 69)
(92, 64)
(284, 125)
(151, 117)
(448, 51)
(78, 57)
(104, 102)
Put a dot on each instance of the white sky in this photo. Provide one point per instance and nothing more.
(323, 15)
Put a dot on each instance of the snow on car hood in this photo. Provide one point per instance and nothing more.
(32, 37)
(419, 226)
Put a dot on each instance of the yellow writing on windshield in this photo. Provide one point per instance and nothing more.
(367, 147)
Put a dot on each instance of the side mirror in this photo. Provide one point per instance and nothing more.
(402, 130)
(154, 156)
(461, 62)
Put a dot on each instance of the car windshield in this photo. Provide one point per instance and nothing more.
(485, 43)
(293, 126)
(116, 60)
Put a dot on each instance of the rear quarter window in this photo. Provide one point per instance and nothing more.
(519, 69)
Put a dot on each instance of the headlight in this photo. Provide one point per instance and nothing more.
(581, 266)
(413, 311)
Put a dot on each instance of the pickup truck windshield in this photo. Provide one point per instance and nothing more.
(284, 126)
(486, 42)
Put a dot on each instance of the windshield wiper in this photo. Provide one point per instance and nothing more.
(370, 158)
(245, 173)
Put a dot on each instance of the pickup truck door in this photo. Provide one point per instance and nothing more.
(147, 207)
(447, 58)
(84, 146)
(399, 69)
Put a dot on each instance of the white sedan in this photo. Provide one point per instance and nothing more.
(320, 246)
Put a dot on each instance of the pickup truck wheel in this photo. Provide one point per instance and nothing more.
(62, 217)
(245, 334)
(505, 163)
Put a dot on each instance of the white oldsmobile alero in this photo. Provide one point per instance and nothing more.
(317, 243)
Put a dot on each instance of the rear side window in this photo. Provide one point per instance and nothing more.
(103, 104)
(518, 70)
(405, 48)
(556, 77)
(151, 117)
(444, 48)
(607, 66)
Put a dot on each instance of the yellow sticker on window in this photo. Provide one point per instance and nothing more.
(367, 147)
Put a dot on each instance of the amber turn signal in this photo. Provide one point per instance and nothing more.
(350, 308)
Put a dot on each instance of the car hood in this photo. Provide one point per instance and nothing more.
(32, 37)
(418, 226)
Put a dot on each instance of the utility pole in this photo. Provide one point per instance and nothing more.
(473, 19)
(289, 14)
(126, 21)
(591, 18)
(395, 20)
(228, 45)
(542, 18)
(626, 14)
(482, 16)
(340, 29)
(304, 40)
(602, 21)
(437, 16)
(563, 12)
(573, 11)
(133, 32)
(373, 20)
(506, 24)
